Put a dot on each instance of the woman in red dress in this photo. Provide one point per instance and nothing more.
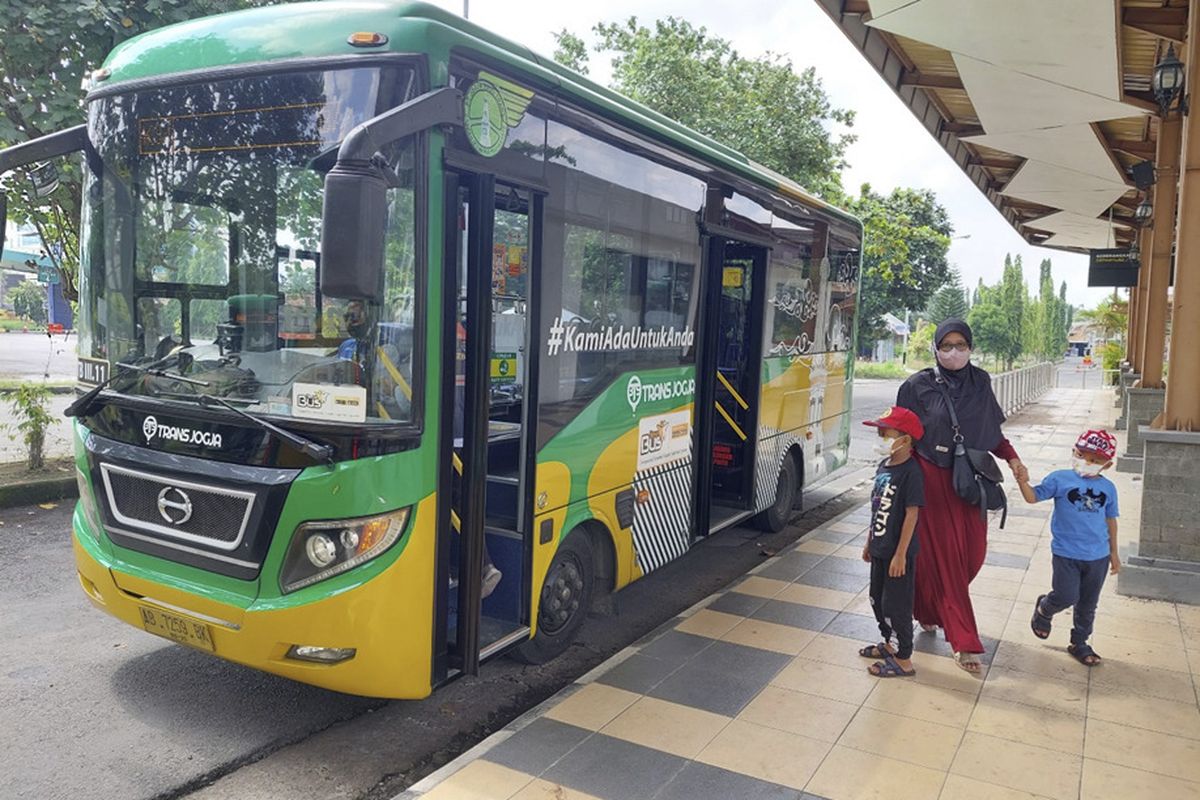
(952, 532)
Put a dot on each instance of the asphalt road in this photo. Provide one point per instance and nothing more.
(36, 356)
(92, 707)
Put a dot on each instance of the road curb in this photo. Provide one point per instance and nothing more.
(42, 490)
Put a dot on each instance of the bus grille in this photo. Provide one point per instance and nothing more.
(202, 513)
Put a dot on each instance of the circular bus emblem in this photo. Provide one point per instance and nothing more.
(174, 505)
(633, 393)
(149, 427)
(485, 118)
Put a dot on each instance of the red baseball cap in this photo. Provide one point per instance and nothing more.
(1099, 442)
(899, 419)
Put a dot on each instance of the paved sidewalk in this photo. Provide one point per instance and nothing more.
(759, 693)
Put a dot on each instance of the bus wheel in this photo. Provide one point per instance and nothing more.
(565, 601)
(777, 515)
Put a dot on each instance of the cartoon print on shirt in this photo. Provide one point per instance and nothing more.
(881, 502)
(1090, 500)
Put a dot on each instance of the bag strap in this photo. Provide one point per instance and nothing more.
(941, 384)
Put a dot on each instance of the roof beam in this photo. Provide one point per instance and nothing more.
(1134, 148)
(931, 81)
(991, 162)
(962, 128)
(1165, 23)
(855, 7)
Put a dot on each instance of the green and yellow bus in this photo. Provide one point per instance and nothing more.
(399, 344)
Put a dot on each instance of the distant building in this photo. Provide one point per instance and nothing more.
(896, 334)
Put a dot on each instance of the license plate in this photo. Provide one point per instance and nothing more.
(177, 629)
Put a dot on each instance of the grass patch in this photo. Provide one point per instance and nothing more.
(880, 369)
(11, 384)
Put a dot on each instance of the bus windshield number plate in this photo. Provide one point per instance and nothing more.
(177, 629)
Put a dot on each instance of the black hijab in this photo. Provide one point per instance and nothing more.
(970, 389)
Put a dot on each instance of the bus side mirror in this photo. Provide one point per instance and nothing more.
(353, 231)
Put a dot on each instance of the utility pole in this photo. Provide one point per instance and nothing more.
(466, 9)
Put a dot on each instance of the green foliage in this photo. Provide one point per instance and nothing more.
(47, 49)
(1111, 355)
(920, 343)
(29, 403)
(880, 369)
(28, 300)
(1110, 316)
(905, 240)
(571, 51)
(760, 106)
(948, 301)
(998, 319)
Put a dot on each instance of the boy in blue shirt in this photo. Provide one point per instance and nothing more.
(1084, 543)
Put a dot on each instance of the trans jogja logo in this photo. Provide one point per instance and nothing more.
(152, 429)
(638, 391)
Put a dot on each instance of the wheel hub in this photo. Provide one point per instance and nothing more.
(561, 595)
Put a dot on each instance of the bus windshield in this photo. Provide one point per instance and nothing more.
(201, 248)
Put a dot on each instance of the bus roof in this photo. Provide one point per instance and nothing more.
(316, 29)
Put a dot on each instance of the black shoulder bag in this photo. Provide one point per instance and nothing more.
(976, 476)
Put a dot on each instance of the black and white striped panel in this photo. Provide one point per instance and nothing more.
(661, 526)
(769, 452)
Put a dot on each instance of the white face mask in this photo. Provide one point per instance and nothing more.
(954, 360)
(1085, 469)
(886, 448)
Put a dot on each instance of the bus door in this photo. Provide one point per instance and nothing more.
(734, 365)
(492, 231)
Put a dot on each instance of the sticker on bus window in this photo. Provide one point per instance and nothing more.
(731, 278)
(342, 403)
(664, 438)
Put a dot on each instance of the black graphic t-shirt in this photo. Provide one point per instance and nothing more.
(896, 489)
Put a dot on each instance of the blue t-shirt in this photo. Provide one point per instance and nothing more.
(1082, 507)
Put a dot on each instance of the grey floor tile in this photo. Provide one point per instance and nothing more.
(537, 746)
(1018, 511)
(854, 626)
(700, 782)
(676, 646)
(719, 692)
(795, 614)
(743, 605)
(1006, 560)
(638, 673)
(614, 769)
(790, 566)
(828, 579)
(746, 662)
(847, 566)
(858, 541)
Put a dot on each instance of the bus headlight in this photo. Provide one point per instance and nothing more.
(91, 514)
(320, 550)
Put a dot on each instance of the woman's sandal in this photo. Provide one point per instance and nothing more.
(1084, 654)
(928, 628)
(890, 668)
(968, 662)
(875, 651)
(1040, 623)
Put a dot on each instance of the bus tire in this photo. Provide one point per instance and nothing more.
(787, 486)
(564, 603)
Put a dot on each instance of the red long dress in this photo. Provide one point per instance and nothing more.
(953, 540)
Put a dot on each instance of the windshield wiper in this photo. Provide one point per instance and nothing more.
(85, 403)
(315, 450)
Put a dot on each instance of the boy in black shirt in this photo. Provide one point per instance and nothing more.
(891, 546)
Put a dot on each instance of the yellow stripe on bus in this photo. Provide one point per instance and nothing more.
(725, 382)
(457, 462)
(729, 419)
(395, 373)
(455, 521)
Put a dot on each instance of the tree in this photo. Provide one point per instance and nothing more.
(571, 51)
(46, 50)
(998, 318)
(948, 301)
(29, 300)
(905, 240)
(760, 106)
(1110, 316)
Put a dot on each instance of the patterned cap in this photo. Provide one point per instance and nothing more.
(1100, 442)
(899, 419)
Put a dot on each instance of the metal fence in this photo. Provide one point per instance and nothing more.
(1018, 388)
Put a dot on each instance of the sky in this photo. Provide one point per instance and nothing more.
(892, 149)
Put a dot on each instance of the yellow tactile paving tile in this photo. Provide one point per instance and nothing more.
(764, 635)
(1105, 781)
(765, 753)
(816, 546)
(1146, 654)
(1139, 711)
(706, 622)
(1046, 659)
(958, 787)
(818, 596)
(926, 744)
(669, 727)
(1018, 766)
(593, 706)
(919, 702)
(848, 774)
(544, 790)
(1137, 679)
(1041, 727)
(800, 713)
(760, 587)
(1160, 753)
(826, 680)
(837, 650)
(480, 780)
(1056, 694)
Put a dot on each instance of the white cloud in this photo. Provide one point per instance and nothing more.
(892, 149)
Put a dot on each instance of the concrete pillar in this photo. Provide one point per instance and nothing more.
(1167, 172)
(1182, 411)
(1141, 407)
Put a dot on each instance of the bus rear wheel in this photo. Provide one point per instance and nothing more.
(565, 600)
(786, 489)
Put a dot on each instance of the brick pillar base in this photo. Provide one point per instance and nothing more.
(1166, 562)
(1127, 379)
(1141, 407)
